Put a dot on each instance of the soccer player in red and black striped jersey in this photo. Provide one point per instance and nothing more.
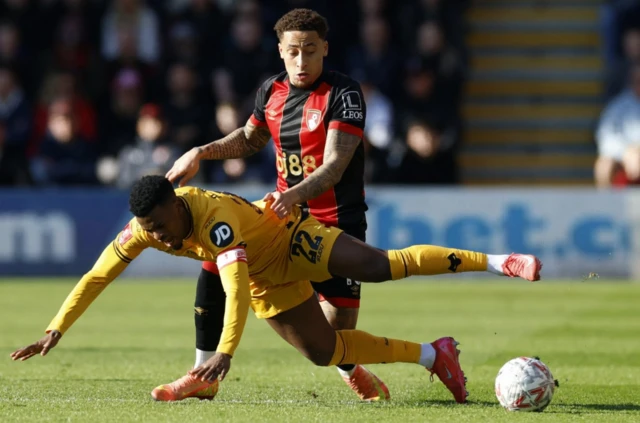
(316, 119)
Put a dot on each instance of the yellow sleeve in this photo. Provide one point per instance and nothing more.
(222, 236)
(113, 260)
(234, 273)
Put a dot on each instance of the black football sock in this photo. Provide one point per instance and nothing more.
(209, 314)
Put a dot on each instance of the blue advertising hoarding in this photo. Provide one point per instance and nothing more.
(573, 231)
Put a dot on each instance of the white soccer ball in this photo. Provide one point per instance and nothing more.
(525, 384)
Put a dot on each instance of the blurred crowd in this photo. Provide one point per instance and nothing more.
(101, 92)
(618, 132)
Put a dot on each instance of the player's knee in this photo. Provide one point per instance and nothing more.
(378, 271)
(318, 356)
(209, 291)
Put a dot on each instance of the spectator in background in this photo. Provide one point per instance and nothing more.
(209, 25)
(183, 47)
(185, 113)
(25, 15)
(618, 137)
(9, 43)
(65, 157)
(15, 118)
(128, 58)
(151, 154)
(140, 24)
(431, 46)
(425, 157)
(118, 119)
(374, 8)
(429, 126)
(616, 16)
(13, 53)
(617, 75)
(74, 37)
(257, 168)
(448, 13)
(378, 131)
(375, 56)
(423, 97)
(112, 57)
(63, 84)
(248, 59)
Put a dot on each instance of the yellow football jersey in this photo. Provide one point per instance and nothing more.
(222, 223)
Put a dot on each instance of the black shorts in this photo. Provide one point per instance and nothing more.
(342, 292)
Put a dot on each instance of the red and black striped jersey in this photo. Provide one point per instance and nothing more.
(299, 120)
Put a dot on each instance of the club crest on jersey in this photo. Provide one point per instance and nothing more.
(313, 119)
(125, 235)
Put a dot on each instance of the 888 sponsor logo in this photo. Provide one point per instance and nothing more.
(294, 165)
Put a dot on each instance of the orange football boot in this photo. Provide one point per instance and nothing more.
(447, 367)
(524, 265)
(186, 387)
(367, 385)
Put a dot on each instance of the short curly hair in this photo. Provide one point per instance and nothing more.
(302, 20)
(148, 192)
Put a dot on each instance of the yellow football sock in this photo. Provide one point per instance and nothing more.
(358, 347)
(434, 260)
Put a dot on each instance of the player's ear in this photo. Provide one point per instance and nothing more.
(326, 49)
(280, 50)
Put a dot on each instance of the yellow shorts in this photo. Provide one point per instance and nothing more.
(279, 298)
(285, 283)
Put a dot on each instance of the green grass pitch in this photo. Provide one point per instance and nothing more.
(139, 334)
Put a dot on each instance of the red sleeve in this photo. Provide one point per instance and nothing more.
(346, 127)
(256, 121)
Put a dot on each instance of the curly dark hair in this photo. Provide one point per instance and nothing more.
(148, 192)
(302, 20)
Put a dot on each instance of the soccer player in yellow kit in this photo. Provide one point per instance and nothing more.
(266, 263)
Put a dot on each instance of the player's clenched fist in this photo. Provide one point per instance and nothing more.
(42, 347)
(185, 167)
(281, 203)
(218, 365)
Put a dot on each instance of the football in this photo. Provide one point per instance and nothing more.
(525, 384)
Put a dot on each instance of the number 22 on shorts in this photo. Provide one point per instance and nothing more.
(306, 246)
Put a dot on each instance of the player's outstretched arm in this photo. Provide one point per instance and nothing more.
(242, 142)
(339, 150)
(234, 273)
(105, 270)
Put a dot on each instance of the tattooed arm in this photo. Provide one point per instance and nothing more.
(338, 152)
(242, 142)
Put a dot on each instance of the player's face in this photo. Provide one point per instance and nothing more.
(166, 224)
(303, 53)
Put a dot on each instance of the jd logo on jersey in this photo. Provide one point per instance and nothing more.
(313, 118)
(221, 234)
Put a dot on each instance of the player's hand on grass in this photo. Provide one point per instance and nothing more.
(218, 365)
(281, 203)
(185, 167)
(41, 347)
